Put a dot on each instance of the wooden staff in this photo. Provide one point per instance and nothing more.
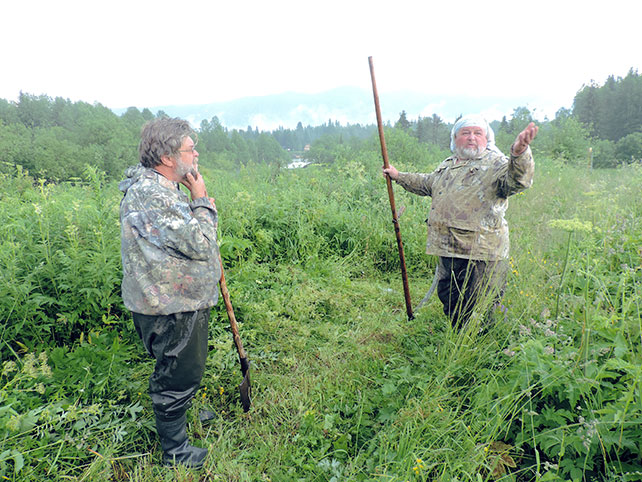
(391, 196)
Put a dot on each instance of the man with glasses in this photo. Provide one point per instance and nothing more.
(170, 274)
(466, 225)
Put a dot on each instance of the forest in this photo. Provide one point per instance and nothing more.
(345, 387)
(37, 132)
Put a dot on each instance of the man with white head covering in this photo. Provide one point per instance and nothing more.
(466, 225)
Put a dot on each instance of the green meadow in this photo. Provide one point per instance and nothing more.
(345, 387)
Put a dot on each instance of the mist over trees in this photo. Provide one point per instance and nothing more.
(56, 139)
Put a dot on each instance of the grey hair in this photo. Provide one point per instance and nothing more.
(162, 137)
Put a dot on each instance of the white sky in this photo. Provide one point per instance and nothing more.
(151, 53)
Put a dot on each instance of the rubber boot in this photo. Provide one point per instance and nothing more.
(175, 444)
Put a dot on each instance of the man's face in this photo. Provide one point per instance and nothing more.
(470, 142)
(188, 158)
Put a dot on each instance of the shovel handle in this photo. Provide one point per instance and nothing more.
(232, 318)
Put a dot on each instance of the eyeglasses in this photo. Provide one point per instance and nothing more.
(192, 150)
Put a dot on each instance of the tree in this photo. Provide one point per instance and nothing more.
(269, 150)
(8, 112)
(34, 111)
(433, 130)
(629, 148)
(569, 138)
(403, 122)
(611, 111)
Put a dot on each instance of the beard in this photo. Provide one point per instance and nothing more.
(182, 169)
(469, 152)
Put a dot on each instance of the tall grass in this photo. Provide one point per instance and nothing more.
(344, 386)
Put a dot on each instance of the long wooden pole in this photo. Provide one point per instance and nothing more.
(391, 195)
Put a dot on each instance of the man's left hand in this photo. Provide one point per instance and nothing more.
(524, 139)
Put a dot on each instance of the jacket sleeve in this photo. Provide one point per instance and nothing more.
(517, 175)
(415, 183)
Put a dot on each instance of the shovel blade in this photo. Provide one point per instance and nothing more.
(246, 392)
(245, 387)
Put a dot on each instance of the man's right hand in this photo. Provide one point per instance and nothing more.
(196, 185)
(391, 171)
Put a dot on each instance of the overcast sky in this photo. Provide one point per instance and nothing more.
(152, 53)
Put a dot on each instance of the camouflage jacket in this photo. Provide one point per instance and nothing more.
(469, 199)
(168, 246)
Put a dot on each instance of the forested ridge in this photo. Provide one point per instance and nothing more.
(56, 139)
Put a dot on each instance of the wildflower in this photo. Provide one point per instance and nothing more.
(13, 424)
(8, 367)
(29, 367)
(220, 390)
(509, 352)
(573, 225)
(44, 366)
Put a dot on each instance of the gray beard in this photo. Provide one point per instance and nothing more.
(182, 169)
(468, 153)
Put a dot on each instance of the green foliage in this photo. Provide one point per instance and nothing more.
(603, 153)
(629, 147)
(564, 139)
(56, 139)
(59, 276)
(433, 130)
(345, 387)
(62, 408)
(613, 110)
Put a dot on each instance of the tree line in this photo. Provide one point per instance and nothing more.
(56, 139)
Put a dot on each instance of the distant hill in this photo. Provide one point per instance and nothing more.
(351, 105)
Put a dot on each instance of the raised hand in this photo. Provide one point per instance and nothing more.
(524, 139)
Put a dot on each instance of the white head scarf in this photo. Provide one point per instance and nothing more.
(474, 120)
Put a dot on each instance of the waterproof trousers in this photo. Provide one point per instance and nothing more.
(178, 342)
(466, 283)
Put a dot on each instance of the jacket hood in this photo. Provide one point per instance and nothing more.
(132, 174)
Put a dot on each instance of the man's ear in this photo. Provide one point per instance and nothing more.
(167, 160)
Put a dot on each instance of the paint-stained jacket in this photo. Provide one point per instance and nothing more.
(168, 246)
(469, 199)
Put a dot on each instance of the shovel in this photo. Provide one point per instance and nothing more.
(244, 388)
